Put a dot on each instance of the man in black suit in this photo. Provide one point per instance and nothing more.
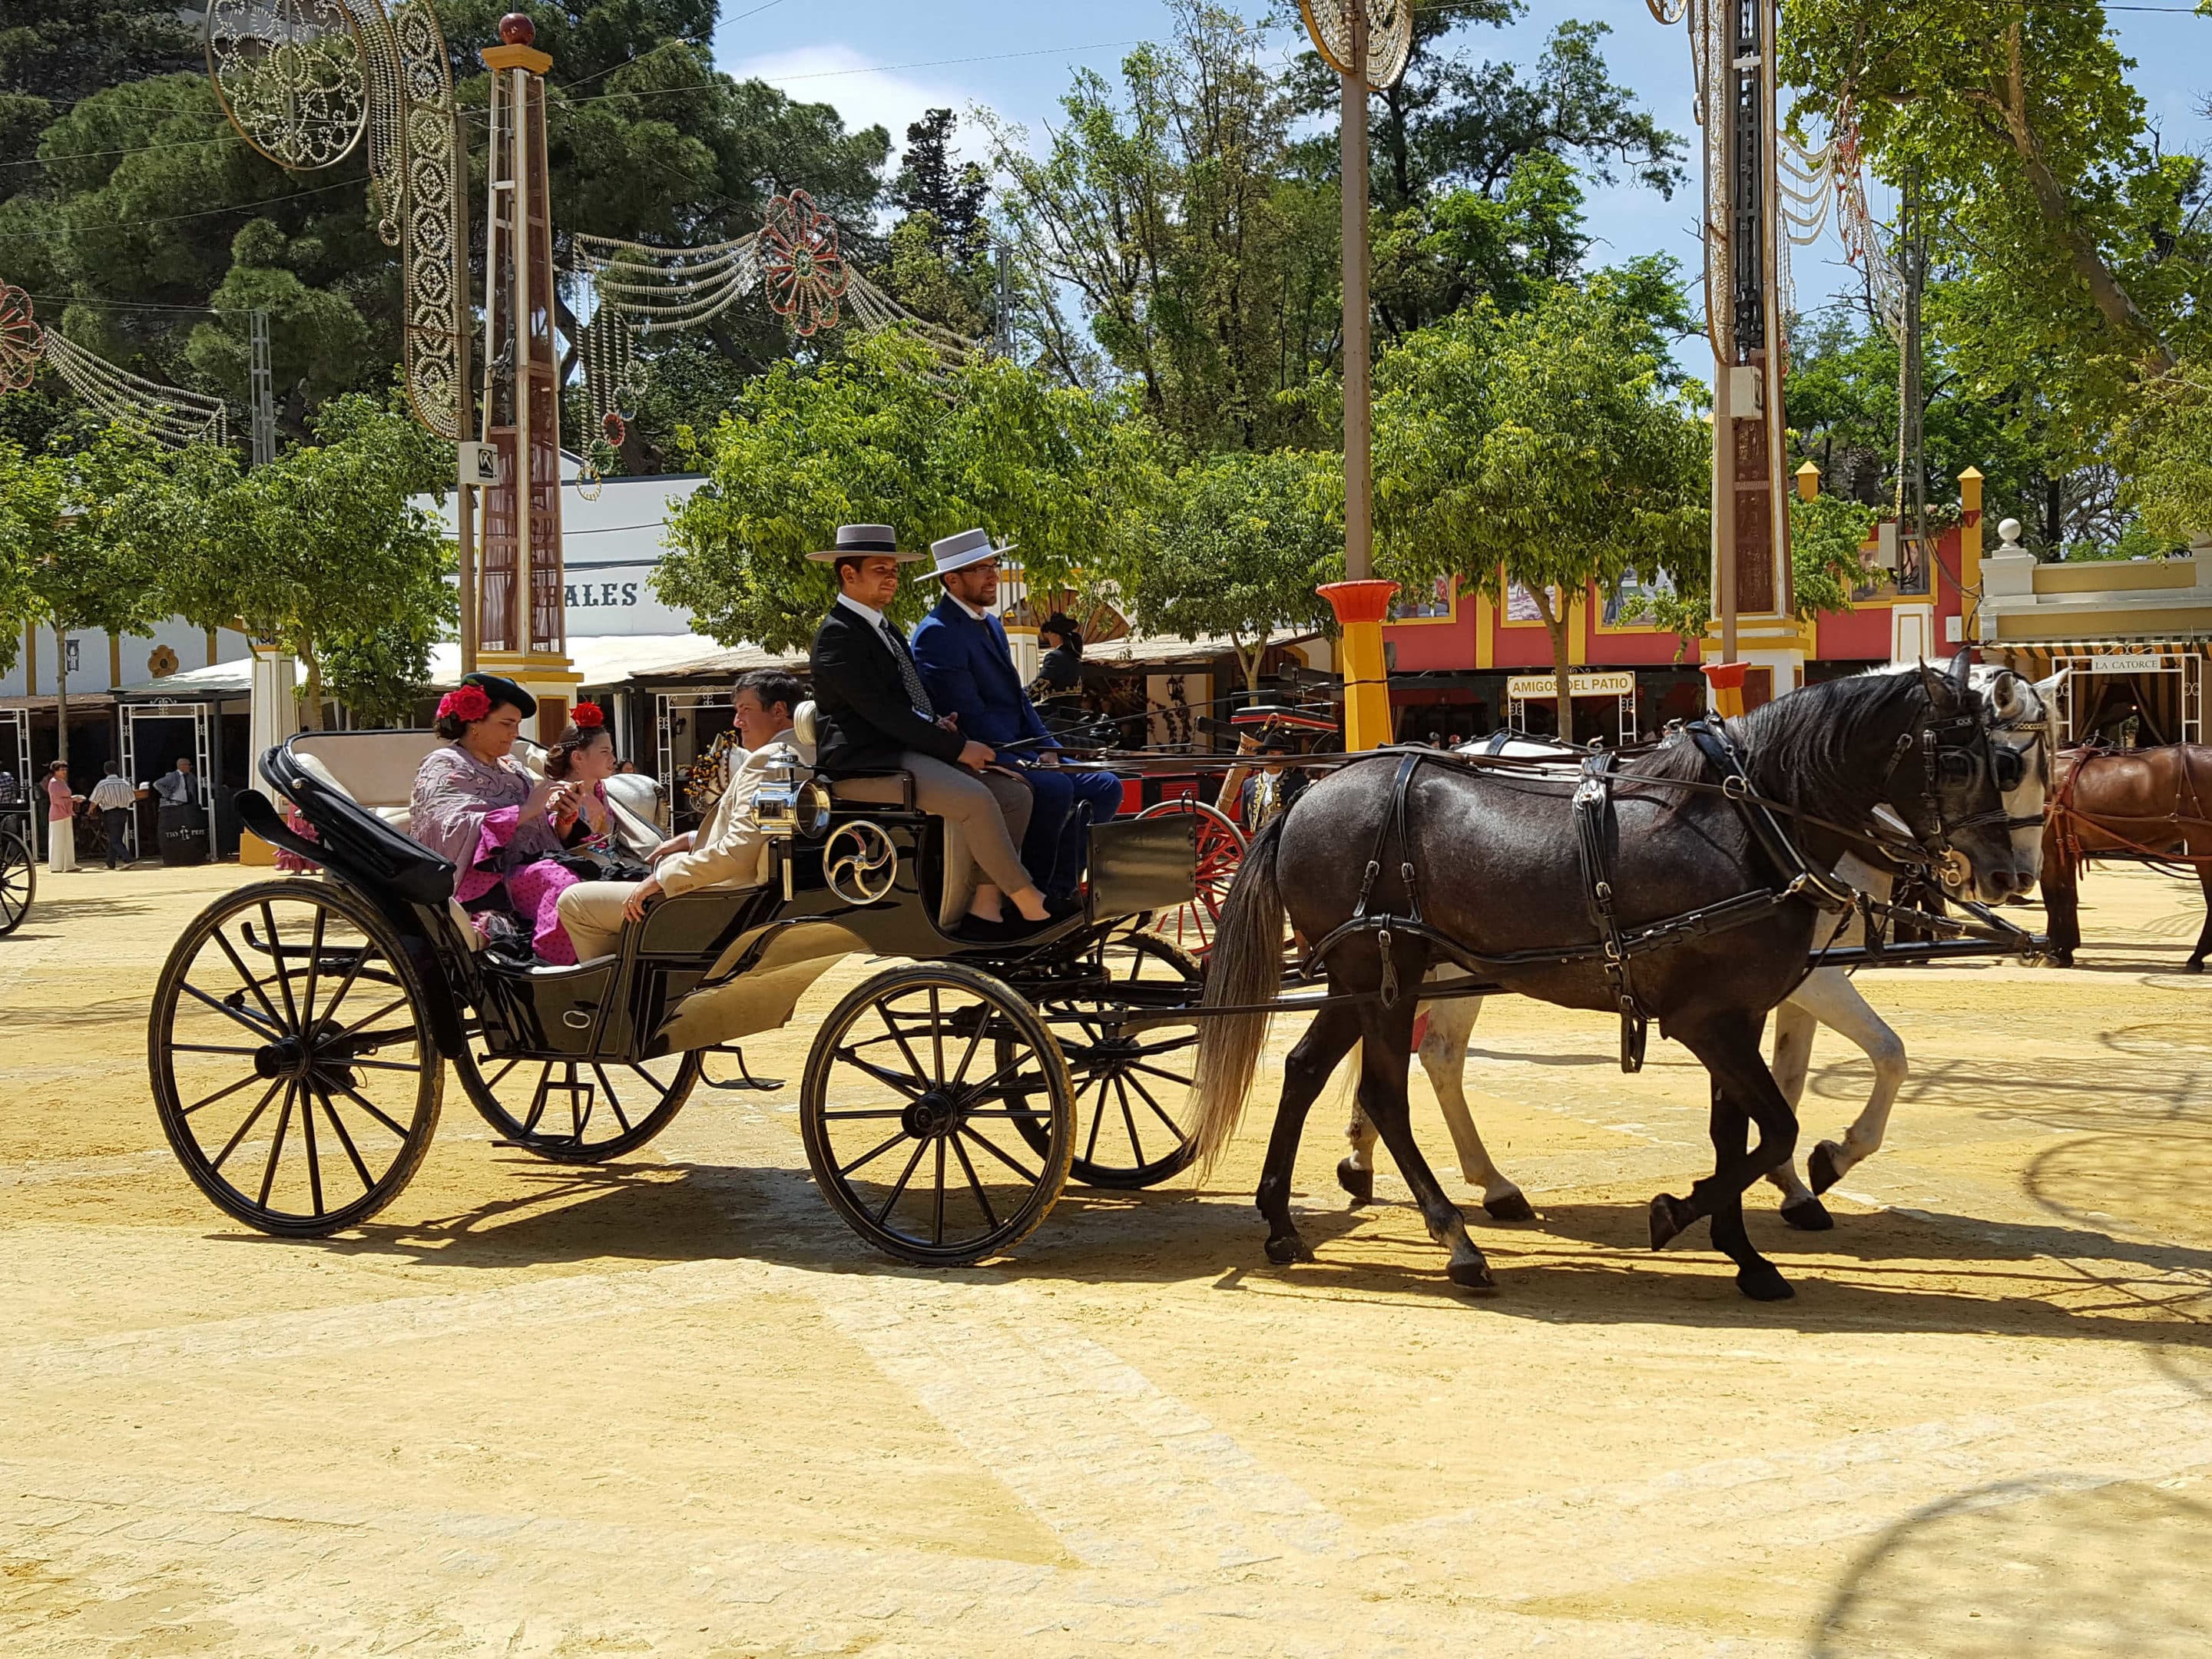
(872, 715)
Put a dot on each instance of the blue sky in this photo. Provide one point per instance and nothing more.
(889, 60)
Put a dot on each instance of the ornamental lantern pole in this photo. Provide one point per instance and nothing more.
(1368, 43)
(521, 613)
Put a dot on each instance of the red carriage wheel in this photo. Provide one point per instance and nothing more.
(1220, 853)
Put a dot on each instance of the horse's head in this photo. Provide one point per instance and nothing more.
(2024, 721)
(1945, 784)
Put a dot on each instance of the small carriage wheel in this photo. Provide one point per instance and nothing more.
(293, 1063)
(575, 1111)
(922, 1092)
(19, 880)
(1221, 847)
(1135, 1103)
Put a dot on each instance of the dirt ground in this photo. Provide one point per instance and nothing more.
(672, 1408)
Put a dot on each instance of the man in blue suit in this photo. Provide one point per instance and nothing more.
(969, 669)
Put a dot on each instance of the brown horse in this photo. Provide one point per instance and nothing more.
(2137, 804)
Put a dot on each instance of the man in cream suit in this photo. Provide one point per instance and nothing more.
(728, 850)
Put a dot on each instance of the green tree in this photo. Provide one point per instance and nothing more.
(1548, 448)
(879, 437)
(81, 560)
(1246, 540)
(323, 551)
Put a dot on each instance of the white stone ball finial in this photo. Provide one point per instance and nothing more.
(2008, 537)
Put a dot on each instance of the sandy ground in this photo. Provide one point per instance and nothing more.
(673, 1407)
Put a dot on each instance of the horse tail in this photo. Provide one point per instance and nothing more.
(1246, 970)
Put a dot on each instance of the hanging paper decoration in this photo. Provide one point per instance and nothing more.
(805, 274)
(20, 340)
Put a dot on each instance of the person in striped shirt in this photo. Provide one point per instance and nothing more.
(112, 797)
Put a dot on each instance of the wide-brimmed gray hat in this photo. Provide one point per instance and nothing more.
(861, 540)
(969, 547)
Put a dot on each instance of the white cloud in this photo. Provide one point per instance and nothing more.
(864, 95)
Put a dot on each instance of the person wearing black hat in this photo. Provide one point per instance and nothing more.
(873, 716)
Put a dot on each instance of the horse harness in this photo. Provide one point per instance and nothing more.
(1596, 841)
(2066, 819)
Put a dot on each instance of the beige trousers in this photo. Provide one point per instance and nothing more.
(993, 811)
(592, 912)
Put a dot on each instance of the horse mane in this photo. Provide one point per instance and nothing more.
(1808, 750)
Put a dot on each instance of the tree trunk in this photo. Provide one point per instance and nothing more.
(2112, 300)
(314, 715)
(1557, 628)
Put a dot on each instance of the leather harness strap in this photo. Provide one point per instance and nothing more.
(1408, 763)
(1597, 828)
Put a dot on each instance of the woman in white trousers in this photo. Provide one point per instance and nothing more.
(61, 820)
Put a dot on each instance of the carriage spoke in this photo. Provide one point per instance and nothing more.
(578, 1114)
(354, 1030)
(252, 1023)
(208, 1049)
(250, 982)
(899, 1037)
(282, 976)
(277, 1146)
(314, 969)
(881, 1074)
(975, 1041)
(982, 1198)
(360, 960)
(905, 1176)
(870, 1156)
(1166, 1076)
(384, 1065)
(252, 1118)
(537, 1100)
(1180, 1133)
(937, 1037)
(614, 1101)
(877, 1112)
(493, 1082)
(1128, 1119)
(360, 1167)
(314, 1160)
(937, 1212)
(992, 1148)
(246, 1082)
(367, 1105)
(1090, 1147)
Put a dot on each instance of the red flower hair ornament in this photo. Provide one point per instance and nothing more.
(589, 716)
(466, 703)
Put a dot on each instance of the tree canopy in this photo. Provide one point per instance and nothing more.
(879, 437)
(1547, 449)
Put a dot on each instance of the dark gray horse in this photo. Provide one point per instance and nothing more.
(1499, 873)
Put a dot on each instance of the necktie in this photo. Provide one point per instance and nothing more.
(909, 675)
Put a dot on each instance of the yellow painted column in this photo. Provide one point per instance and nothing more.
(1360, 609)
(1970, 552)
(1727, 679)
(1808, 481)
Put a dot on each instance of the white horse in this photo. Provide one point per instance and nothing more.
(2025, 716)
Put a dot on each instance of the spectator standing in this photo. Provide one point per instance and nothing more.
(180, 787)
(112, 799)
(61, 820)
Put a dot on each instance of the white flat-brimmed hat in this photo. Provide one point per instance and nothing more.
(859, 540)
(969, 547)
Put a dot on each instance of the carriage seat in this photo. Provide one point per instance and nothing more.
(959, 868)
(373, 770)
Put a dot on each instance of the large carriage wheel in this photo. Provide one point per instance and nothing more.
(575, 1111)
(1220, 850)
(1136, 1110)
(937, 1114)
(19, 880)
(292, 1059)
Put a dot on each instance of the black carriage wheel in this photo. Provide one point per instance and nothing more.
(923, 1090)
(1135, 1109)
(292, 1059)
(575, 1111)
(19, 880)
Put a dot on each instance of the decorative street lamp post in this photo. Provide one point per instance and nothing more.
(1368, 43)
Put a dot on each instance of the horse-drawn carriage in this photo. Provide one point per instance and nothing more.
(19, 866)
(301, 1028)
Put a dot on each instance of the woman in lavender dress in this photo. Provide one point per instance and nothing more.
(474, 804)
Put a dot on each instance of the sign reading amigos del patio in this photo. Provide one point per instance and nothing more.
(1536, 688)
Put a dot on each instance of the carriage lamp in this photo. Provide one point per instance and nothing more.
(788, 806)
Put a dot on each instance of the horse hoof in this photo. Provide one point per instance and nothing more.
(1471, 1275)
(1669, 1215)
(1512, 1206)
(1822, 1166)
(1359, 1182)
(1288, 1248)
(2062, 958)
(1810, 1216)
(2194, 965)
(1763, 1282)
